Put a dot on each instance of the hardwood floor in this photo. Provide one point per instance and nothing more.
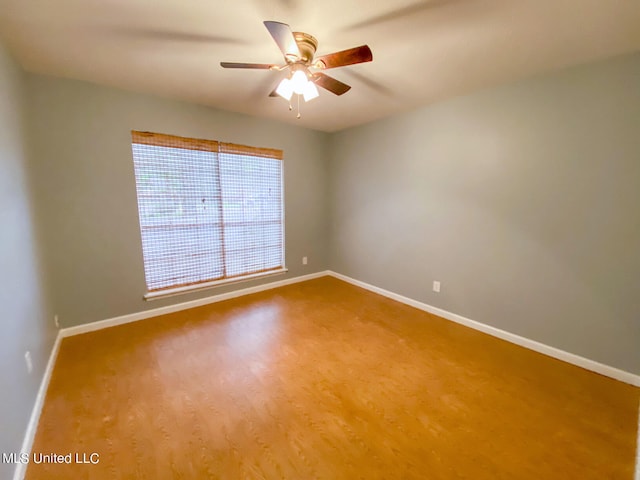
(323, 380)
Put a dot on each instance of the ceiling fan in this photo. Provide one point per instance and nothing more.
(299, 49)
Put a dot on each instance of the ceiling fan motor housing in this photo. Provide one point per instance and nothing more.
(307, 44)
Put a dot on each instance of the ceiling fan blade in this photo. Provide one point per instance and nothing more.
(346, 57)
(255, 66)
(330, 83)
(283, 36)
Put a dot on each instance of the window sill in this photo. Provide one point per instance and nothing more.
(170, 292)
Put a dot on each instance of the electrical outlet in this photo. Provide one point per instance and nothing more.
(55, 320)
(27, 359)
(304, 260)
(436, 286)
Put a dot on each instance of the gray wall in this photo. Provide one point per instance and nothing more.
(84, 182)
(26, 324)
(524, 201)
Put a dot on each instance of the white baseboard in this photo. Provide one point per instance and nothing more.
(32, 427)
(585, 363)
(134, 317)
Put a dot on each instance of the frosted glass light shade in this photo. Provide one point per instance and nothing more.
(285, 89)
(299, 81)
(310, 91)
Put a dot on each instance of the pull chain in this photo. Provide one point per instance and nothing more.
(298, 116)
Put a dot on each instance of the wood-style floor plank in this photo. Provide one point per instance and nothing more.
(323, 380)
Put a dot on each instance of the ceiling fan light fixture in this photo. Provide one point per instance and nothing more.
(285, 89)
(310, 92)
(299, 51)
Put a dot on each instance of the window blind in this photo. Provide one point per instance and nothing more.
(208, 210)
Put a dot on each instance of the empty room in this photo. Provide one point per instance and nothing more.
(285, 239)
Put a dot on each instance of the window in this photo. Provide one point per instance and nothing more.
(210, 212)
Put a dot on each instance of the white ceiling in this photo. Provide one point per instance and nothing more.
(423, 50)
